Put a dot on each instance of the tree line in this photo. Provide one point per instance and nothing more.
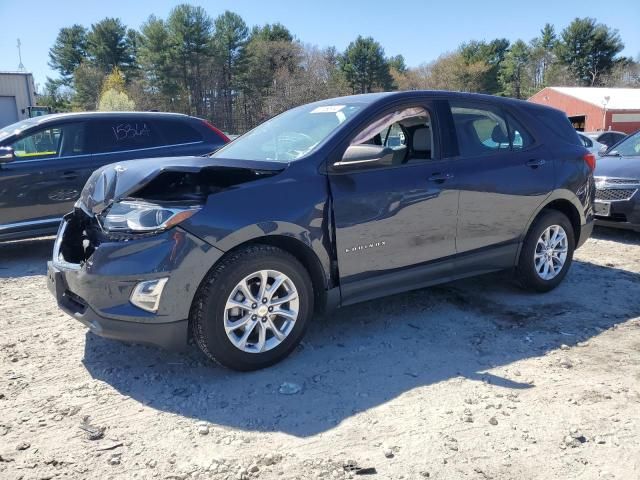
(585, 53)
(236, 76)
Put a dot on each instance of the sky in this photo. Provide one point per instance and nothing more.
(419, 30)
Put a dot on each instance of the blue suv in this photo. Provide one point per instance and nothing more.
(327, 204)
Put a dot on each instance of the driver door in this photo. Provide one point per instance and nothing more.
(42, 183)
(399, 216)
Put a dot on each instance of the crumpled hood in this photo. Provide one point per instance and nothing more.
(621, 167)
(112, 182)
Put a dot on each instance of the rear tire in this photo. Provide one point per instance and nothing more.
(239, 308)
(547, 252)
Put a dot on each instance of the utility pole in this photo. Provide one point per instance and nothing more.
(20, 66)
(605, 102)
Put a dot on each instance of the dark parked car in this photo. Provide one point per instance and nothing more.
(328, 204)
(617, 184)
(45, 161)
(607, 138)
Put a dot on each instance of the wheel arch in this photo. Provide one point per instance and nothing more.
(565, 202)
(566, 207)
(304, 253)
(562, 202)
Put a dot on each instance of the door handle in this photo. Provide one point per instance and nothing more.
(536, 162)
(440, 177)
(70, 175)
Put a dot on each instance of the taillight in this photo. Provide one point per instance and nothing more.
(590, 159)
(216, 130)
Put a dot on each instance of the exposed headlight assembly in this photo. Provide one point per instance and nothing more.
(140, 217)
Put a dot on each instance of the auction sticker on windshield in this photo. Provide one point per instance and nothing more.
(328, 109)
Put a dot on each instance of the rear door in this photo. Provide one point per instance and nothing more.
(389, 218)
(44, 181)
(504, 175)
(126, 138)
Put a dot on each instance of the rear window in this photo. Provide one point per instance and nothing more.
(586, 141)
(176, 132)
(605, 138)
(618, 136)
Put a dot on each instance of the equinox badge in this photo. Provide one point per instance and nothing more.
(358, 248)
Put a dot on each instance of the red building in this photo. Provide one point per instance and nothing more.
(591, 109)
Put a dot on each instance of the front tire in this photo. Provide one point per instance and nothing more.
(253, 308)
(547, 252)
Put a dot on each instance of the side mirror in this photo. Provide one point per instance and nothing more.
(357, 156)
(7, 155)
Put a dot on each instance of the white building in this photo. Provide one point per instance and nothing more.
(17, 92)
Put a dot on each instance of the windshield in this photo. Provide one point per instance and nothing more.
(630, 146)
(290, 135)
(18, 127)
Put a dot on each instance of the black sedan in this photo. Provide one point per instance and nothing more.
(617, 185)
(45, 161)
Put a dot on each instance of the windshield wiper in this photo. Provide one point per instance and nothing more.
(615, 153)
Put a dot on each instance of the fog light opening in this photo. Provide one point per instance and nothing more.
(146, 295)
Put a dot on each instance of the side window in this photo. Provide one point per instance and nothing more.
(480, 130)
(41, 144)
(518, 135)
(74, 140)
(51, 142)
(176, 132)
(125, 134)
(406, 132)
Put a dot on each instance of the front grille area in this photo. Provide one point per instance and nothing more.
(614, 194)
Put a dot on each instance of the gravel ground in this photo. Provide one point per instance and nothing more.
(474, 379)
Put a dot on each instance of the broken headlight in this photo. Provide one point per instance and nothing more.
(140, 217)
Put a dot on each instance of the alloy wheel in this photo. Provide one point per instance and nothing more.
(551, 252)
(261, 311)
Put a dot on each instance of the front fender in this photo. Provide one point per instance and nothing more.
(279, 206)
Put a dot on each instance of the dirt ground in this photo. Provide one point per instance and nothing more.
(471, 380)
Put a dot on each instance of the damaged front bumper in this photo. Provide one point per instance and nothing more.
(93, 276)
